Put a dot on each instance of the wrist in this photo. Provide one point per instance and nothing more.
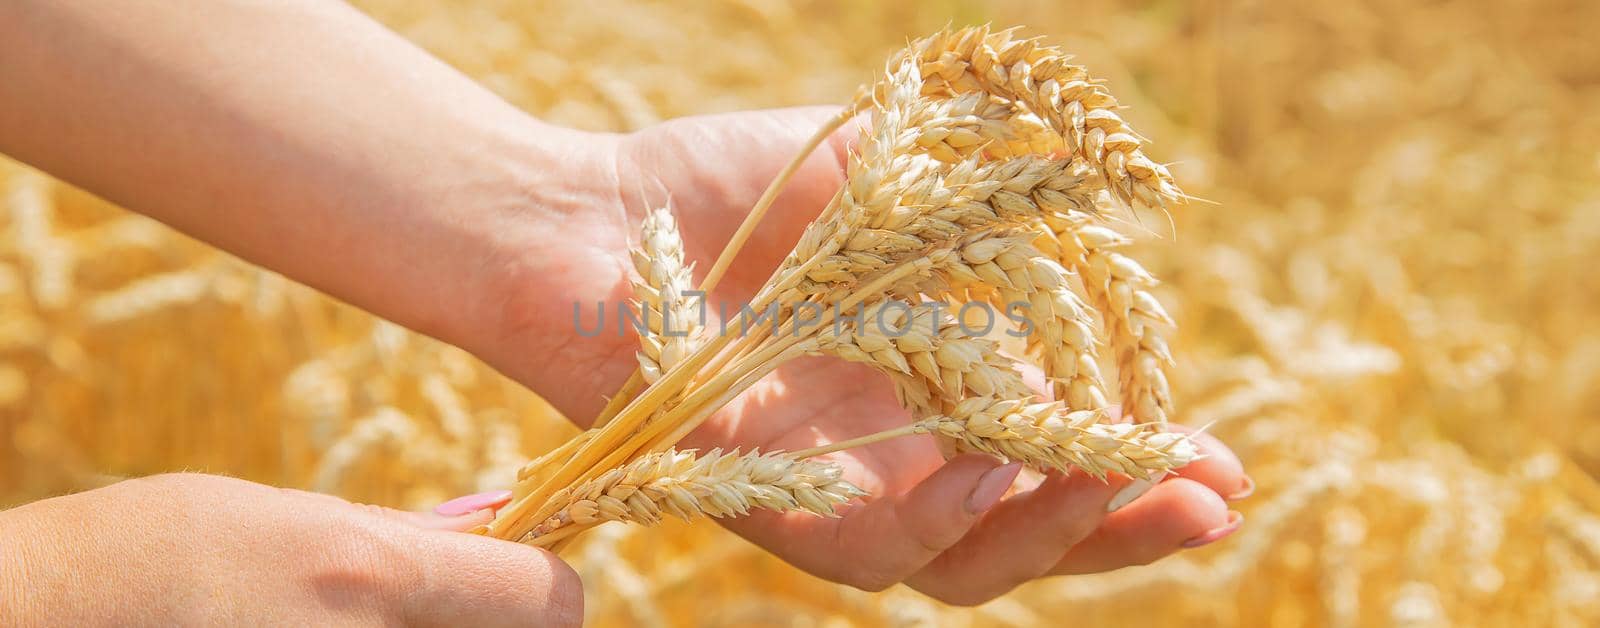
(509, 206)
(558, 238)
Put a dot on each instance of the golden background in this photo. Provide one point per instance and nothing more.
(1390, 311)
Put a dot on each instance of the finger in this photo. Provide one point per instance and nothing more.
(471, 580)
(457, 523)
(428, 520)
(465, 512)
(462, 513)
(901, 534)
(1020, 539)
(1217, 467)
(1159, 523)
(892, 537)
(457, 515)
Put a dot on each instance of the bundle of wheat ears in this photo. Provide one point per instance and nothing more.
(992, 173)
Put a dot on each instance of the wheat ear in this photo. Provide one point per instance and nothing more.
(932, 352)
(1063, 95)
(717, 484)
(899, 198)
(671, 316)
(926, 355)
(1005, 269)
(1135, 320)
(1047, 436)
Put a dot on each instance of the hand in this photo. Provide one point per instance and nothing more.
(945, 528)
(200, 549)
(354, 162)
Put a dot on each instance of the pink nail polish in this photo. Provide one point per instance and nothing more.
(469, 504)
(991, 487)
(1247, 490)
(1235, 518)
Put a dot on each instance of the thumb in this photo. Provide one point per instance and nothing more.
(473, 580)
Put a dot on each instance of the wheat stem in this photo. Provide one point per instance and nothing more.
(620, 400)
(770, 195)
(512, 523)
(920, 427)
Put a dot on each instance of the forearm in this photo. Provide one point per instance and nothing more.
(297, 134)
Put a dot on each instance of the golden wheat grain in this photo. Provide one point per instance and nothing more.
(671, 316)
(1135, 320)
(1004, 270)
(928, 356)
(1039, 77)
(1047, 436)
(716, 484)
(963, 389)
(899, 201)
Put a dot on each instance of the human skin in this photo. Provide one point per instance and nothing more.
(191, 549)
(304, 137)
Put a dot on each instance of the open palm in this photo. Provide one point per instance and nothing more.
(957, 530)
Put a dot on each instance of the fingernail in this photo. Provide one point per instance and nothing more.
(1247, 490)
(1129, 493)
(468, 504)
(991, 487)
(1235, 518)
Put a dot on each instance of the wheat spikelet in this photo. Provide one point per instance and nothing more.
(1046, 436)
(889, 166)
(670, 315)
(1135, 319)
(980, 125)
(1005, 269)
(968, 198)
(901, 195)
(928, 356)
(716, 484)
(1063, 95)
(965, 390)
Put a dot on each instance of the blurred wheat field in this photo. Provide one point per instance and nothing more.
(1389, 310)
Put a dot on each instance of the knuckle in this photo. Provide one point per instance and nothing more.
(566, 596)
(367, 567)
(556, 599)
(170, 481)
(872, 578)
(931, 537)
(183, 488)
(931, 541)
